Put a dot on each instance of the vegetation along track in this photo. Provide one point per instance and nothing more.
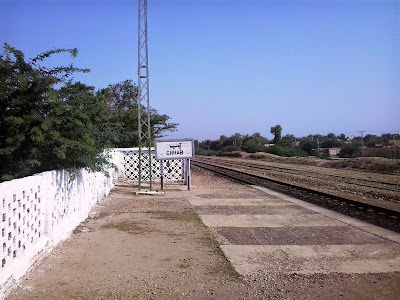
(374, 214)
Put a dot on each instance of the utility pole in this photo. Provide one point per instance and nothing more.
(143, 99)
(362, 138)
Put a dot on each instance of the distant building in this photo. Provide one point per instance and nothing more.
(394, 143)
(296, 144)
(328, 152)
(333, 151)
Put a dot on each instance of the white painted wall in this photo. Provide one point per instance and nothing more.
(127, 161)
(40, 211)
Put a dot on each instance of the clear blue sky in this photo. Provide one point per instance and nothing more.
(225, 66)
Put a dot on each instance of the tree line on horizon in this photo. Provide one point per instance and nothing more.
(289, 145)
(50, 122)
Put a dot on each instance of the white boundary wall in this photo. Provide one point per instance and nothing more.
(127, 162)
(40, 211)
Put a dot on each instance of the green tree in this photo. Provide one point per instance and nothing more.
(287, 140)
(308, 145)
(49, 122)
(251, 146)
(27, 99)
(370, 140)
(350, 150)
(72, 130)
(123, 115)
(277, 132)
(330, 141)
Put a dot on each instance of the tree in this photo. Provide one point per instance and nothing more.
(123, 109)
(49, 122)
(370, 140)
(386, 137)
(237, 139)
(72, 131)
(287, 140)
(27, 100)
(251, 146)
(350, 150)
(308, 145)
(330, 141)
(277, 132)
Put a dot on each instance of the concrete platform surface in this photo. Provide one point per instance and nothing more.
(378, 251)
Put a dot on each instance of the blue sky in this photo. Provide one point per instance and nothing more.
(225, 66)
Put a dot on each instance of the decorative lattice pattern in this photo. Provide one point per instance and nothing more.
(127, 161)
(65, 198)
(38, 210)
(22, 221)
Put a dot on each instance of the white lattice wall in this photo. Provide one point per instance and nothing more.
(37, 212)
(127, 161)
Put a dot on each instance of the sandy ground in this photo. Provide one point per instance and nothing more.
(156, 247)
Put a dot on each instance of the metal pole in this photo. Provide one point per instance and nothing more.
(184, 162)
(162, 174)
(144, 126)
(188, 175)
(362, 138)
(362, 142)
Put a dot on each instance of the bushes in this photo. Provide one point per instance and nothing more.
(286, 151)
(206, 152)
(251, 146)
(350, 150)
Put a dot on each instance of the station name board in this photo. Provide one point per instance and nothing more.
(174, 149)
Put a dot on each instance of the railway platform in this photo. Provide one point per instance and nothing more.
(169, 247)
(257, 234)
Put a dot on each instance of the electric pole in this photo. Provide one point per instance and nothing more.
(143, 99)
(362, 138)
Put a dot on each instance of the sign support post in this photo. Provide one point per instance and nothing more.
(188, 174)
(162, 174)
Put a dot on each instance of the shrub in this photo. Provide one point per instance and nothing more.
(206, 152)
(286, 151)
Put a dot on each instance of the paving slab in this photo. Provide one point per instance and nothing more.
(236, 201)
(261, 209)
(364, 226)
(311, 259)
(297, 236)
(283, 220)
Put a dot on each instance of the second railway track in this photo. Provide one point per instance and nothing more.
(374, 214)
(370, 183)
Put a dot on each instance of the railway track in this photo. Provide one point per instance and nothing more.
(374, 214)
(369, 183)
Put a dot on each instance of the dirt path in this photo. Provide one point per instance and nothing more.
(147, 247)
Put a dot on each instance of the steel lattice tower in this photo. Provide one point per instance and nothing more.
(143, 100)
